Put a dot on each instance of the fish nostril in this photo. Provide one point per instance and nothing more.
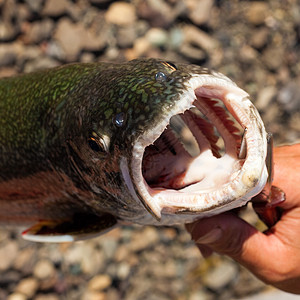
(119, 119)
(160, 76)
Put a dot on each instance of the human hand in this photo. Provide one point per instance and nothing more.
(273, 256)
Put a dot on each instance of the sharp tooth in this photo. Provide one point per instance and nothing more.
(243, 148)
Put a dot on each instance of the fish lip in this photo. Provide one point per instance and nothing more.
(251, 178)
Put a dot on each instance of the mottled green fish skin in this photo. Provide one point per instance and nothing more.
(47, 119)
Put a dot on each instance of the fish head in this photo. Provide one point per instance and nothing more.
(182, 142)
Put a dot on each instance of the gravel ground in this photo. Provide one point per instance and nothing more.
(256, 43)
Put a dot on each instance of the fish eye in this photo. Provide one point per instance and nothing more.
(160, 76)
(170, 64)
(119, 119)
(95, 145)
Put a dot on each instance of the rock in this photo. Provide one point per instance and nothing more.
(143, 239)
(85, 258)
(265, 97)
(27, 287)
(87, 57)
(126, 35)
(123, 270)
(157, 12)
(8, 253)
(24, 14)
(91, 295)
(7, 31)
(289, 96)
(44, 269)
(257, 12)
(199, 11)
(140, 48)
(34, 5)
(247, 284)
(221, 276)
(196, 43)
(273, 57)
(259, 38)
(99, 283)
(8, 54)
(199, 38)
(74, 38)
(25, 260)
(8, 28)
(40, 63)
(55, 8)
(248, 54)
(47, 297)
(157, 37)
(7, 72)
(36, 32)
(69, 36)
(16, 296)
(53, 49)
(121, 13)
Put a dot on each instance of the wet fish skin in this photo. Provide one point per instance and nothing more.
(46, 121)
(65, 132)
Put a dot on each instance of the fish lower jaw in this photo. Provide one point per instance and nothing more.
(178, 185)
(186, 205)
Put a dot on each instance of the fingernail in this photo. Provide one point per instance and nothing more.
(211, 237)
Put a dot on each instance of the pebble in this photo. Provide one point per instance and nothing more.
(157, 12)
(221, 276)
(34, 5)
(289, 96)
(99, 282)
(199, 11)
(260, 38)
(68, 36)
(74, 38)
(27, 287)
(40, 63)
(157, 37)
(25, 260)
(143, 239)
(264, 97)
(16, 296)
(196, 37)
(55, 8)
(35, 33)
(47, 297)
(44, 269)
(121, 13)
(8, 254)
(8, 54)
(91, 295)
(257, 12)
(273, 57)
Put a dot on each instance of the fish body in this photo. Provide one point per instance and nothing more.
(84, 147)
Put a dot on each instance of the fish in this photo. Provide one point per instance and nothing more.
(86, 147)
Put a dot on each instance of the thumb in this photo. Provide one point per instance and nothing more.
(227, 234)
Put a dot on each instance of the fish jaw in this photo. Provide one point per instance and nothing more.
(208, 183)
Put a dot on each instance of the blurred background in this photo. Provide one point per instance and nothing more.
(255, 43)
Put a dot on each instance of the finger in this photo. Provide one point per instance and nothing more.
(205, 251)
(287, 173)
(229, 235)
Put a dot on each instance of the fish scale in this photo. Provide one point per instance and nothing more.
(73, 140)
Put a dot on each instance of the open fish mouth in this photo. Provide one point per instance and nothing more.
(220, 166)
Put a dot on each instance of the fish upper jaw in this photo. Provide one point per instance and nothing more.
(175, 186)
